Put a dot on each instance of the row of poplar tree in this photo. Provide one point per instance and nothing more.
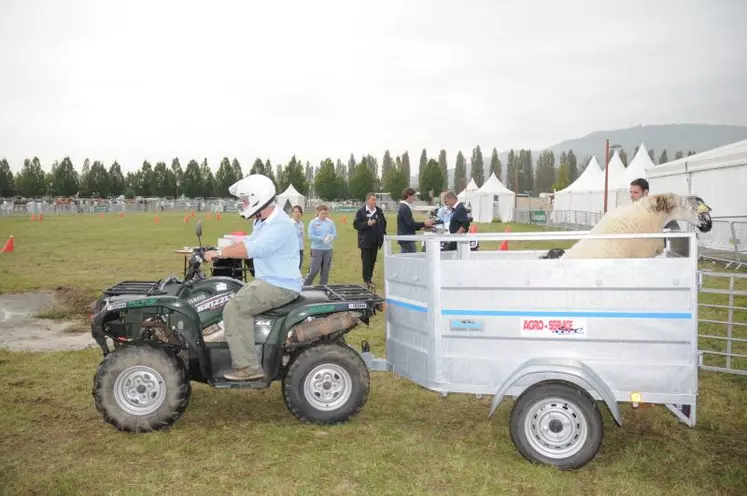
(329, 180)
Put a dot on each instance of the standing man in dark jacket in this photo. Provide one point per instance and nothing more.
(460, 219)
(406, 224)
(370, 223)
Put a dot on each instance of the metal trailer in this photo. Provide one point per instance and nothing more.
(559, 335)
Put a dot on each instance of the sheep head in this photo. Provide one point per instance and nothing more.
(690, 209)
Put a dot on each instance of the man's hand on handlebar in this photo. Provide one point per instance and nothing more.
(210, 255)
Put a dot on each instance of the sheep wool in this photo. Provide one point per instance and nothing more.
(648, 215)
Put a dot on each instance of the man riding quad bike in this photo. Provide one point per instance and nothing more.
(274, 330)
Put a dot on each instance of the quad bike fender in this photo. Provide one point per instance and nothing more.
(575, 372)
(182, 318)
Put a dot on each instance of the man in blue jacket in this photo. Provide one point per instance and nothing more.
(406, 224)
(321, 233)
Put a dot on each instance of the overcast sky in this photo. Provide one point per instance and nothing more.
(136, 80)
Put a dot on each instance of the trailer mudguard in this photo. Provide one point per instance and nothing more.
(562, 369)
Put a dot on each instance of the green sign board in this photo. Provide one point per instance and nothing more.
(100, 209)
(538, 217)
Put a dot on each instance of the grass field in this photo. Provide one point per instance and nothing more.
(406, 440)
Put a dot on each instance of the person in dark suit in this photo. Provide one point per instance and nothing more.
(370, 223)
(460, 219)
(406, 224)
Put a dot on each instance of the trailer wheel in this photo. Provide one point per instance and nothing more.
(141, 388)
(326, 384)
(557, 424)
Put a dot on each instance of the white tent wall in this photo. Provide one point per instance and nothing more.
(719, 177)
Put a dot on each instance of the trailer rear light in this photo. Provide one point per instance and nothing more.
(636, 397)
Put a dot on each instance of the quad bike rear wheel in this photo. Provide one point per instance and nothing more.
(326, 384)
(141, 388)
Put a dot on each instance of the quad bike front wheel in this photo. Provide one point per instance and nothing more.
(141, 388)
(326, 384)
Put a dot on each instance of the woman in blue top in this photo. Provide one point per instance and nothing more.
(297, 213)
(321, 233)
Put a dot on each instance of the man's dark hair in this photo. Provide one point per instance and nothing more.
(407, 192)
(641, 183)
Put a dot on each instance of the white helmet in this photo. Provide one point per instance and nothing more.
(256, 192)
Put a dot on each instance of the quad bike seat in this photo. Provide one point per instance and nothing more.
(305, 298)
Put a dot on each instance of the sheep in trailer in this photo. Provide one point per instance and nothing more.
(648, 215)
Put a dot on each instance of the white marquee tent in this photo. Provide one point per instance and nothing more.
(637, 168)
(573, 204)
(469, 193)
(493, 200)
(719, 177)
(618, 187)
(292, 196)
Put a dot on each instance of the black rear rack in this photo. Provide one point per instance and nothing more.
(146, 288)
(348, 292)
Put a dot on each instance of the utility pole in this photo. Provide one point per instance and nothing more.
(606, 171)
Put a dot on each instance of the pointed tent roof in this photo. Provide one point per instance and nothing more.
(637, 168)
(290, 191)
(616, 179)
(471, 187)
(589, 180)
(493, 186)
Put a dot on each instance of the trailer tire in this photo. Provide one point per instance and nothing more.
(558, 424)
(326, 384)
(141, 388)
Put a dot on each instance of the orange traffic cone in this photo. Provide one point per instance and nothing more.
(41, 217)
(193, 213)
(504, 244)
(9, 246)
(101, 215)
(33, 217)
(186, 219)
(121, 214)
(156, 220)
(217, 217)
(344, 219)
(208, 216)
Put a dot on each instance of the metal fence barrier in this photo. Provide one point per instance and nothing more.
(722, 327)
(726, 242)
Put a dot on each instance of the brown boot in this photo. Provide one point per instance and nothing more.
(246, 374)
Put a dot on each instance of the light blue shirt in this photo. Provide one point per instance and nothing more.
(274, 247)
(318, 230)
(299, 229)
(444, 214)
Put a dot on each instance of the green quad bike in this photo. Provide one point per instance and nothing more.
(161, 334)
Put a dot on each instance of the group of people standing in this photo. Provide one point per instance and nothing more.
(371, 224)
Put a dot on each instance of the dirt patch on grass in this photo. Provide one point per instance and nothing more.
(25, 323)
